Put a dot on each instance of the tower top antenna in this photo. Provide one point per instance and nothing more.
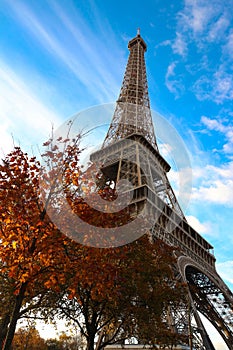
(138, 32)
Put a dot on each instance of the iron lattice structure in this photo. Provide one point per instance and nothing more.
(130, 152)
(132, 114)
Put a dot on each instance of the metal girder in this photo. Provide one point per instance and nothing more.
(132, 114)
(130, 152)
(212, 301)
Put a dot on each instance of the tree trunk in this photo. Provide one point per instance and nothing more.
(14, 317)
(91, 338)
(3, 328)
(90, 344)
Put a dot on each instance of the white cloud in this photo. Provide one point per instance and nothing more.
(202, 19)
(22, 114)
(220, 126)
(66, 41)
(213, 124)
(218, 28)
(163, 43)
(197, 14)
(224, 172)
(223, 85)
(173, 81)
(197, 225)
(203, 28)
(165, 149)
(228, 47)
(6, 137)
(179, 46)
(217, 192)
(226, 270)
(218, 87)
(181, 182)
(213, 184)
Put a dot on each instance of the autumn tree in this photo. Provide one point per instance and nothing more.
(111, 294)
(28, 338)
(66, 342)
(6, 303)
(32, 248)
(115, 294)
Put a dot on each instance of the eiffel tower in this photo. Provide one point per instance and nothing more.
(132, 132)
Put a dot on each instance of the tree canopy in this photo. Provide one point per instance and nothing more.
(110, 294)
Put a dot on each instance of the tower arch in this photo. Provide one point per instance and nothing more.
(209, 296)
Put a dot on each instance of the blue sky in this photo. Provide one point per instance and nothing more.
(60, 57)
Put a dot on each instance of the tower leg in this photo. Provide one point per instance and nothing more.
(208, 345)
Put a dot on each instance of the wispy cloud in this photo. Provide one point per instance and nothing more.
(197, 15)
(214, 184)
(223, 127)
(199, 226)
(202, 19)
(98, 60)
(226, 270)
(64, 43)
(213, 180)
(22, 114)
(179, 46)
(217, 192)
(173, 81)
(228, 47)
(199, 23)
(218, 87)
(25, 107)
(218, 29)
(204, 29)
